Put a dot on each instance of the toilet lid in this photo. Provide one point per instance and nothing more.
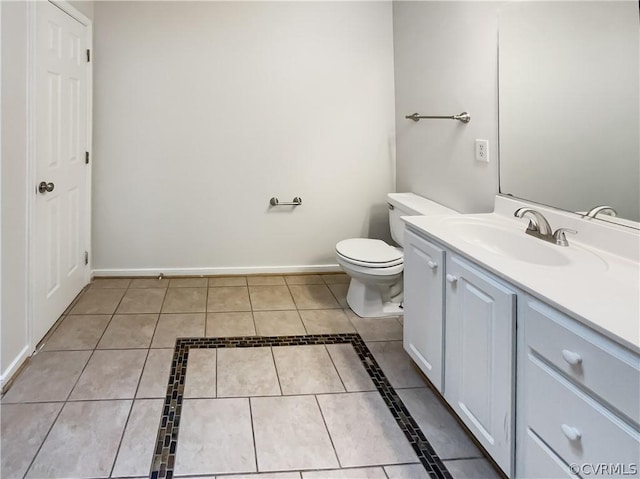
(371, 251)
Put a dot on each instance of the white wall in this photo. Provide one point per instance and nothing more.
(13, 324)
(203, 111)
(446, 63)
(84, 6)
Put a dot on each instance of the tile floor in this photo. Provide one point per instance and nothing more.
(88, 404)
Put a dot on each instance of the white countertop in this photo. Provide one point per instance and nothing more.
(598, 288)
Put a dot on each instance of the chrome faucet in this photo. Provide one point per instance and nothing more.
(605, 210)
(540, 227)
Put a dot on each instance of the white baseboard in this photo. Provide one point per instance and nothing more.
(14, 366)
(225, 271)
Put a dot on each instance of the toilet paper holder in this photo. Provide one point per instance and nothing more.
(297, 201)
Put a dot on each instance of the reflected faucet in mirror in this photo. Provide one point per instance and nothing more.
(540, 228)
(604, 210)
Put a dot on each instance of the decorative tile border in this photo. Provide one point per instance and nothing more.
(167, 440)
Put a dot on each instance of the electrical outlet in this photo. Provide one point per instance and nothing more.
(482, 150)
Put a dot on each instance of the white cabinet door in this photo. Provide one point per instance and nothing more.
(423, 305)
(479, 353)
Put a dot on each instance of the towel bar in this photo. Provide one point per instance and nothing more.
(297, 201)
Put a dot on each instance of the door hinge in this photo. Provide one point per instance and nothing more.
(86, 257)
(86, 157)
(88, 55)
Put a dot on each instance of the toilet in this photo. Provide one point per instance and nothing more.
(375, 267)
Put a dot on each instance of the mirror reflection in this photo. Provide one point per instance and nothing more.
(569, 105)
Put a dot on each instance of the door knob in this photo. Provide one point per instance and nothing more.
(44, 187)
(451, 279)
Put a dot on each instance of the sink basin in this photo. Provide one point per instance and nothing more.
(506, 241)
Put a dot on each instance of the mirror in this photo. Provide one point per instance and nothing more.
(569, 105)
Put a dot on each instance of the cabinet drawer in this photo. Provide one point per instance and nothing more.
(609, 370)
(578, 429)
(540, 461)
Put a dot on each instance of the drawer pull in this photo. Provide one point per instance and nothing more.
(432, 264)
(572, 358)
(572, 433)
(451, 279)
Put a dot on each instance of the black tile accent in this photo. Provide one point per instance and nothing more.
(167, 439)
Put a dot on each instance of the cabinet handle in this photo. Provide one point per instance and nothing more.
(572, 358)
(432, 264)
(572, 433)
(451, 279)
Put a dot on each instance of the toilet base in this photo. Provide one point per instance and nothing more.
(369, 301)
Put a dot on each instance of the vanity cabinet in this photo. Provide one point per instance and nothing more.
(550, 398)
(423, 305)
(479, 355)
(580, 398)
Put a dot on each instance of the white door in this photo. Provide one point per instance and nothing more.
(60, 227)
(423, 305)
(479, 349)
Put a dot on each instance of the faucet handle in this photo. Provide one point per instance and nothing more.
(561, 239)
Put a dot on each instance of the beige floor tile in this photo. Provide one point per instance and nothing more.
(396, 364)
(355, 473)
(263, 475)
(227, 281)
(138, 442)
(376, 329)
(336, 278)
(49, 377)
(149, 283)
(98, 301)
(201, 374)
(274, 298)
(129, 331)
(77, 332)
(405, 471)
(155, 375)
(179, 325)
(326, 321)
(446, 436)
(313, 296)
(306, 370)
(340, 291)
(215, 437)
(268, 280)
(110, 283)
(188, 282)
(185, 300)
(353, 374)
(221, 325)
(363, 430)
(290, 434)
(83, 442)
(278, 323)
(304, 279)
(23, 428)
(228, 298)
(247, 372)
(146, 300)
(110, 374)
(471, 469)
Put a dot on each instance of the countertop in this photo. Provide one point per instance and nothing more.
(601, 289)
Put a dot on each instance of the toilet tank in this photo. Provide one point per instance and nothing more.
(410, 204)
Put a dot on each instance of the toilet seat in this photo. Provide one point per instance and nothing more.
(370, 253)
